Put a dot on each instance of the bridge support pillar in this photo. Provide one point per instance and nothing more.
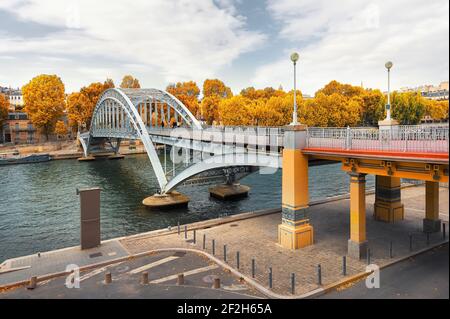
(388, 203)
(432, 223)
(295, 232)
(357, 245)
(166, 201)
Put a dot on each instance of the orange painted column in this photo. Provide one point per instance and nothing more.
(388, 201)
(357, 245)
(432, 223)
(295, 232)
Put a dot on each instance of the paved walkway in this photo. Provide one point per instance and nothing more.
(257, 238)
(162, 268)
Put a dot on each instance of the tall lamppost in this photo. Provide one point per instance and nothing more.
(389, 66)
(294, 58)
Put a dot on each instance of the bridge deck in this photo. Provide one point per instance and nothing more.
(431, 158)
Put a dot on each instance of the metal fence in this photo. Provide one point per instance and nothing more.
(414, 138)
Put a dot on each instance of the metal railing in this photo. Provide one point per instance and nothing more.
(413, 138)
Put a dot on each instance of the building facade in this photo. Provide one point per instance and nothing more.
(431, 92)
(18, 129)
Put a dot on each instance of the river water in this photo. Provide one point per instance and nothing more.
(39, 208)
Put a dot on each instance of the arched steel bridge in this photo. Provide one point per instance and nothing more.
(204, 154)
(158, 118)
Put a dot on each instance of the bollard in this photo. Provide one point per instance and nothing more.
(185, 232)
(293, 284)
(195, 237)
(391, 250)
(33, 283)
(108, 278)
(180, 280)
(344, 266)
(225, 253)
(217, 283)
(444, 233)
(179, 229)
(270, 278)
(214, 247)
(319, 275)
(238, 260)
(145, 280)
(253, 268)
(204, 241)
(410, 243)
(368, 256)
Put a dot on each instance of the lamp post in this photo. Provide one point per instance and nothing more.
(294, 58)
(389, 66)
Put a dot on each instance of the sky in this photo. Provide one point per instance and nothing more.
(242, 42)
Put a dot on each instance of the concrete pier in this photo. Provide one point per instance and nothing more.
(166, 201)
(229, 191)
(86, 159)
(116, 157)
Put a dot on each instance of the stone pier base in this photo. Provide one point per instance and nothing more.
(86, 159)
(116, 157)
(357, 250)
(229, 192)
(166, 201)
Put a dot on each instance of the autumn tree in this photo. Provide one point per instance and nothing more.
(236, 111)
(129, 82)
(60, 128)
(81, 105)
(408, 108)
(216, 87)
(44, 101)
(187, 93)
(437, 110)
(266, 93)
(210, 109)
(4, 107)
(346, 90)
(374, 107)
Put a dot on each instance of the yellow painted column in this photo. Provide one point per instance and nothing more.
(388, 202)
(432, 223)
(357, 245)
(295, 232)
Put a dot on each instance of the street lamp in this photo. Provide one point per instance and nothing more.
(389, 66)
(294, 58)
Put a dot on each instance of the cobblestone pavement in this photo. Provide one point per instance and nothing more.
(257, 238)
(162, 269)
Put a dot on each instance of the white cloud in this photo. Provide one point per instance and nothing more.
(169, 40)
(350, 41)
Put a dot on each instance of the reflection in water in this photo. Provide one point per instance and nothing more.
(39, 208)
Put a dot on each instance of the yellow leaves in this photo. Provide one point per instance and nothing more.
(129, 82)
(210, 109)
(60, 128)
(4, 106)
(437, 110)
(44, 100)
(187, 93)
(81, 105)
(236, 111)
(216, 87)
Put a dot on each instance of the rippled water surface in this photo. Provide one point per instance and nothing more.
(39, 208)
